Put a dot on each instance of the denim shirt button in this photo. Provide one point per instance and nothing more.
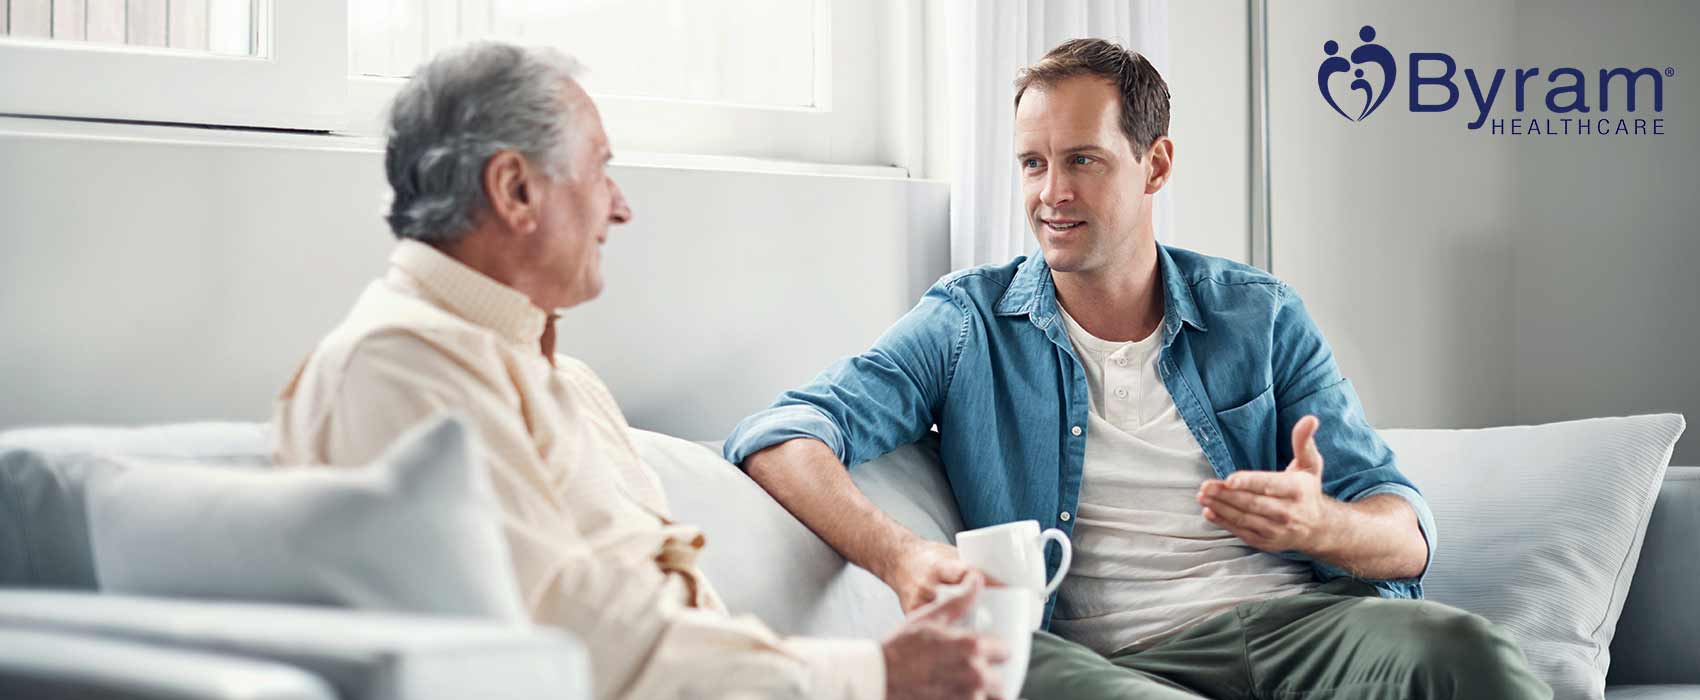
(1065, 516)
(1075, 430)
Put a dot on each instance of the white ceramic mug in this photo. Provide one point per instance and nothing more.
(1003, 614)
(1014, 554)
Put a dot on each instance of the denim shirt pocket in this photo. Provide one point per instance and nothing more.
(1247, 429)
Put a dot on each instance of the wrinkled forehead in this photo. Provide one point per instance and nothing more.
(578, 107)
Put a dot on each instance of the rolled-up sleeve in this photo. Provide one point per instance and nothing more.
(1359, 464)
(1419, 505)
(869, 404)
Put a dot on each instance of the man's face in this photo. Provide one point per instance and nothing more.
(1084, 191)
(577, 208)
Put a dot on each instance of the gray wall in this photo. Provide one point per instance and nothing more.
(1468, 279)
(1210, 121)
(1396, 230)
(1605, 290)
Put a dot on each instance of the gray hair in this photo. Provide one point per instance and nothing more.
(459, 109)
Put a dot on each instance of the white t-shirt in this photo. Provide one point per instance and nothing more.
(1146, 563)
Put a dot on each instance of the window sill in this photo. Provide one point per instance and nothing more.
(198, 136)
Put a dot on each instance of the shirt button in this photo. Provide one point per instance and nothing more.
(1121, 393)
(1075, 430)
(1121, 362)
(1064, 516)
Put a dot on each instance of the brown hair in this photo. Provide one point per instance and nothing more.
(1145, 97)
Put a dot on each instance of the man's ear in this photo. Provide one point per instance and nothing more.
(507, 186)
(1161, 157)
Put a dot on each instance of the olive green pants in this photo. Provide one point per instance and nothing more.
(1340, 641)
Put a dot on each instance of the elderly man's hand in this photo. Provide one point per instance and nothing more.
(930, 657)
(1277, 511)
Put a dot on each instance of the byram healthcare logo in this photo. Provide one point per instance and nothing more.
(1356, 84)
(1368, 53)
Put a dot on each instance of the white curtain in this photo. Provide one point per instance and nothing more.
(990, 40)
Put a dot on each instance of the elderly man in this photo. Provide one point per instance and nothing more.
(1140, 397)
(502, 199)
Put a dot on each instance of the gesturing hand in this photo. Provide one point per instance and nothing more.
(1277, 511)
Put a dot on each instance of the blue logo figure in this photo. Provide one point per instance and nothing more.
(1367, 53)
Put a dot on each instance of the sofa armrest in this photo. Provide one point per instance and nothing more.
(358, 654)
(53, 665)
(1658, 635)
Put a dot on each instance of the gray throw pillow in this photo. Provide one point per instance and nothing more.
(766, 563)
(419, 530)
(44, 533)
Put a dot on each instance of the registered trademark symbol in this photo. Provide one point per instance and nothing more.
(1670, 72)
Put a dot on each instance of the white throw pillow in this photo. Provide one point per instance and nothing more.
(766, 563)
(1540, 529)
(419, 530)
(761, 560)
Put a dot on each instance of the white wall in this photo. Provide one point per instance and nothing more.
(162, 274)
(1467, 279)
(732, 287)
(159, 274)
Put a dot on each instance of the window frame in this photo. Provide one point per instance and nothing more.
(296, 82)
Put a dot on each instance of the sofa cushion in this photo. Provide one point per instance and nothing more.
(362, 655)
(1540, 528)
(1653, 692)
(1658, 637)
(46, 665)
(418, 530)
(765, 562)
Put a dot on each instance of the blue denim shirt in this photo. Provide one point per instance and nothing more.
(985, 357)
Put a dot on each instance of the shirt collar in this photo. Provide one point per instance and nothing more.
(469, 294)
(1032, 292)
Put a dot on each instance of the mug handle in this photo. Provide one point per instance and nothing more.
(1067, 557)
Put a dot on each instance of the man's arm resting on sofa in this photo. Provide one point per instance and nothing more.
(808, 479)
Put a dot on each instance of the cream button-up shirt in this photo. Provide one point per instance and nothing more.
(586, 521)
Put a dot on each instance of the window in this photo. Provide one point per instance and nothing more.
(226, 27)
(819, 81)
(751, 52)
(250, 63)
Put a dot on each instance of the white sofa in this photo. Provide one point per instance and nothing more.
(59, 637)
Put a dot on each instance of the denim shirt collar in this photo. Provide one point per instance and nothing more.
(1033, 292)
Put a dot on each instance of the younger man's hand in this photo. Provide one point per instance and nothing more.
(921, 569)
